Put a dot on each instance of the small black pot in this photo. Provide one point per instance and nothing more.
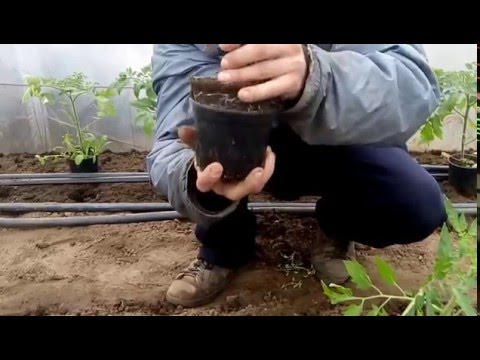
(86, 166)
(462, 178)
(236, 139)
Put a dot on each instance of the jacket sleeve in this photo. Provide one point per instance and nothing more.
(365, 94)
(170, 161)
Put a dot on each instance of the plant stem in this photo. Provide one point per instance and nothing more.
(76, 121)
(382, 296)
(401, 290)
(409, 307)
(464, 133)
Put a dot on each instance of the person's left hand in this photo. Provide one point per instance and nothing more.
(281, 70)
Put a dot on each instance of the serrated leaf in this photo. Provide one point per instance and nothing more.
(353, 310)
(385, 271)
(337, 294)
(359, 274)
(452, 215)
(472, 230)
(443, 262)
(464, 302)
(462, 224)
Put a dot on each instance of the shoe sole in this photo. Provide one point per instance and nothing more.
(193, 303)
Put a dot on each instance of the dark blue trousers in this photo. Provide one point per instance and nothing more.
(376, 196)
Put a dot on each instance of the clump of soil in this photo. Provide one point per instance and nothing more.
(211, 92)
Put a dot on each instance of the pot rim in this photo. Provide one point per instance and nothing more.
(457, 157)
(235, 112)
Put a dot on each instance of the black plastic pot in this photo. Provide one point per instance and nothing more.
(463, 178)
(230, 132)
(86, 166)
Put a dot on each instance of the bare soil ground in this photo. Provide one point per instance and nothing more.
(126, 269)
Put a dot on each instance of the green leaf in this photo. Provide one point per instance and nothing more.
(426, 133)
(462, 224)
(385, 270)
(464, 302)
(359, 274)
(430, 311)
(452, 215)
(374, 311)
(353, 310)
(337, 294)
(79, 159)
(472, 230)
(136, 89)
(443, 262)
(151, 93)
(106, 109)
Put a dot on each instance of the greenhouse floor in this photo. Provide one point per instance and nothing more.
(126, 269)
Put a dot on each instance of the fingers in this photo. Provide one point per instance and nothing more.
(207, 178)
(229, 47)
(188, 135)
(252, 184)
(259, 71)
(269, 166)
(285, 86)
(252, 53)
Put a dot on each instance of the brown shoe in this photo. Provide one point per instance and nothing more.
(198, 285)
(327, 259)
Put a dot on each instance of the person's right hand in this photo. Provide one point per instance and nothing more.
(210, 179)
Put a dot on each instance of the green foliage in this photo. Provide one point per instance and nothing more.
(145, 101)
(458, 96)
(446, 292)
(84, 145)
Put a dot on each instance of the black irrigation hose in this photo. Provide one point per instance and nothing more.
(440, 172)
(68, 175)
(143, 217)
(108, 179)
(88, 220)
(143, 207)
(434, 169)
(84, 180)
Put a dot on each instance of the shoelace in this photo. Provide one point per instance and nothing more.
(197, 268)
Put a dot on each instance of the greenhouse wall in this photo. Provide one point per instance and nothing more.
(28, 128)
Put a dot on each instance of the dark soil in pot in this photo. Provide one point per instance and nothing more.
(463, 174)
(230, 132)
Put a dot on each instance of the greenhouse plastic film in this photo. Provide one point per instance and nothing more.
(29, 127)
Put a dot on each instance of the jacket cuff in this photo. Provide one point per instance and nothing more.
(203, 208)
(316, 82)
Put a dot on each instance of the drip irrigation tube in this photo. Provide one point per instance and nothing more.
(147, 217)
(433, 169)
(68, 175)
(146, 207)
(79, 180)
(107, 179)
(440, 172)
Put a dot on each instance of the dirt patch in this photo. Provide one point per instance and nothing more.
(126, 270)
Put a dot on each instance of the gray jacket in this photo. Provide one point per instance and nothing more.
(355, 94)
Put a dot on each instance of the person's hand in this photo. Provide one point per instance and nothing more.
(281, 70)
(210, 179)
